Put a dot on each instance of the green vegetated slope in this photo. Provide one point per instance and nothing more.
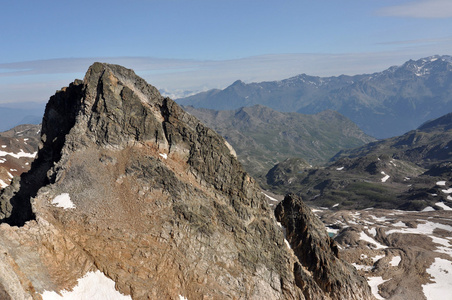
(410, 172)
(382, 104)
(263, 137)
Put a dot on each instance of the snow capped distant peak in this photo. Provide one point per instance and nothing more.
(422, 66)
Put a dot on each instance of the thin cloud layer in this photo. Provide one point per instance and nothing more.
(434, 9)
(36, 81)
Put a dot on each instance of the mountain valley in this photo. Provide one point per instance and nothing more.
(263, 137)
(401, 172)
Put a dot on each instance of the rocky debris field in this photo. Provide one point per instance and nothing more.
(18, 148)
(403, 254)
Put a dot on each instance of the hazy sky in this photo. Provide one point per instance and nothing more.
(200, 44)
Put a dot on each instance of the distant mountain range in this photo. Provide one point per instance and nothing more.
(412, 171)
(383, 104)
(14, 114)
(263, 137)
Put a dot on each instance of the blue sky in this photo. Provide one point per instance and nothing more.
(193, 45)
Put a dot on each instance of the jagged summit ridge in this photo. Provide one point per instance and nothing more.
(157, 203)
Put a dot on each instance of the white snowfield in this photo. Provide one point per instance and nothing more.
(374, 282)
(395, 261)
(425, 228)
(3, 184)
(365, 237)
(386, 177)
(19, 155)
(441, 273)
(443, 205)
(92, 286)
(64, 201)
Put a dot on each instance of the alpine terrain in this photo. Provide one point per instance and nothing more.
(130, 197)
(388, 205)
(18, 148)
(400, 172)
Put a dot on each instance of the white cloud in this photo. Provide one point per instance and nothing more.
(420, 9)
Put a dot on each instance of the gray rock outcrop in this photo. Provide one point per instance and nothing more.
(318, 253)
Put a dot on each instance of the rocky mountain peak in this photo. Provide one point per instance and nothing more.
(128, 184)
(333, 275)
(425, 66)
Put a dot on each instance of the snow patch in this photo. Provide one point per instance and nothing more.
(384, 178)
(399, 224)
(362, 267)
(18, 155)
(63, 201)
(443, 206)
(287, 243)
(428, 208)
(380, 219)
(426, 228)
(363, 236)
(374, 282)
(340, 169)
(448, 191)
(269, 197)
(164, 155)
(335, 205)
(3, 184)
(93, 286)
(182, 297)
(441, 183)
(377, 258)
(441, 273)
(395, 261)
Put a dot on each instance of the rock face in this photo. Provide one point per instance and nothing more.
(318, 253)
(127, 183)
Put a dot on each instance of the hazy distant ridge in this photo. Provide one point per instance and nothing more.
(383, 104)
